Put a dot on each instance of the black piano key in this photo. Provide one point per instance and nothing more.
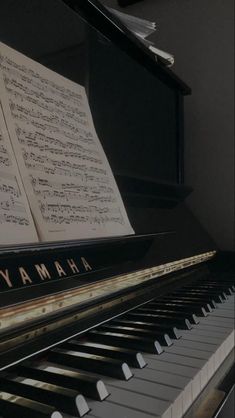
(214, 283)
(161, 319)
(192, 297)
(190, 303)
(131, 357)
(194, 287)
(65, 400)
(25, 408)
(196, 310)
(218, 288)
(173, 332)
(126, 341)
(218, 297)
(211, 291)
(226, 290)
(89, 385)
(91, 363)
(225, 281)
(190, 316)
(161, 337)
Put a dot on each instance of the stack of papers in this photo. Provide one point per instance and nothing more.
(142, 28)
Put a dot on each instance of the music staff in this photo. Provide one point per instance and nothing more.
(62, 162)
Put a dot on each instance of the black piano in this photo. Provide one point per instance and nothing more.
(138, 326)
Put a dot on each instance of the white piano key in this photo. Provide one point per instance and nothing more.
(208, 339)
(206, 332)
(164, 365)
(177, 370)
(220, 322)
(109, 409)
(178, 359)
(154, 390)
(228, 307)
(183, 370)
(206, 326)
(199, 345)
(164, 378)
(207, 368)
(140, 402)
(224, 313)
(200, 365)
(229, 342)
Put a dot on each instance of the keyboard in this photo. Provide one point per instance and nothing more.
(152, 361)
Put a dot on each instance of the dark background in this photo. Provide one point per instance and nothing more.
(201, 36)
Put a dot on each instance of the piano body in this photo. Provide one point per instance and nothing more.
(138, 326)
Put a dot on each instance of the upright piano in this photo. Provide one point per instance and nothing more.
(137, 326)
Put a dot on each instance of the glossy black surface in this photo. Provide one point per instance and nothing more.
(135, 102)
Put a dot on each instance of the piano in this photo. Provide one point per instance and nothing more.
(137, 326)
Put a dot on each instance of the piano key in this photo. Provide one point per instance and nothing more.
(208, 289)
(12, 407)
(154, 363)
(143, 403)
(193, 298)
(160, 319)
(219, 351)
(224, 313)
(126, 341)
(91, 363)
(209, 365)
(204, 308)
(173, 332)
(228, 307)
(200, 345)
(216, 348)
(133, 358)
(162, 338)
(208, 333)
(177, 359)
(203, 338)
(218, 296)
(221, 282)
(190, 316)
(177, 306)
(184, 384)
(150, 388)
(185, 360)
(89, 385)
(217, 327)
(222, 322)
(226, 289)
(222, 289)
(109, 409)
(65, 400)
(185, 298)
(121, 408)
(178, 370)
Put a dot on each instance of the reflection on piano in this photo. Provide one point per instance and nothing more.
(136, 327)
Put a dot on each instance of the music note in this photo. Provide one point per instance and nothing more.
(66, 174)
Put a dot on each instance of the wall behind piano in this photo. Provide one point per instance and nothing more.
(200, 35)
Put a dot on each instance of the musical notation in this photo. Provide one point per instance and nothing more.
(12, 208)
(65, 171)
(5, 160)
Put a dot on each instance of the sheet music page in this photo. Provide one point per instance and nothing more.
(66, 175)
(16, 223)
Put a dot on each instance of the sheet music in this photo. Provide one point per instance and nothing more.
(68, 180)
(16, 223)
